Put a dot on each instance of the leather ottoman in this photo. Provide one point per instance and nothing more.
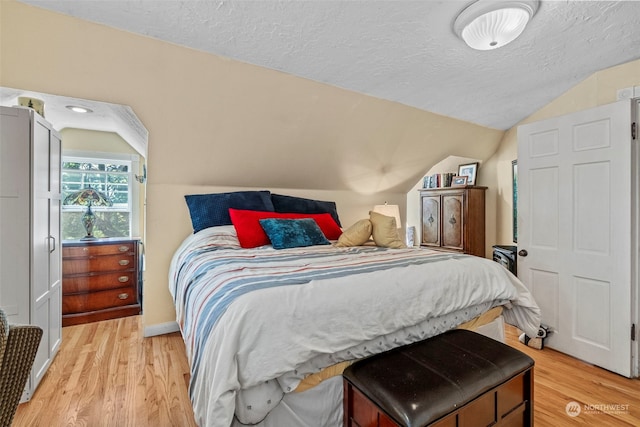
(459, 378)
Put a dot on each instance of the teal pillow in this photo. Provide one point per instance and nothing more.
(293, 233)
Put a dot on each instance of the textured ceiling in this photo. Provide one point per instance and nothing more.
(403, 51)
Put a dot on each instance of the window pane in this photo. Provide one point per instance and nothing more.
(108, 224)
(118, 189)
(110, 177)
(116, 168)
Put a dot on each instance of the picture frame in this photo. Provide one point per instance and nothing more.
(514, 200)
(459, 181)
(470, 170)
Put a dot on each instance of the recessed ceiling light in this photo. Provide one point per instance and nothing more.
(78, 109)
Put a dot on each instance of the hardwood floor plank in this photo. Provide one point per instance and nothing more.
(108, 374)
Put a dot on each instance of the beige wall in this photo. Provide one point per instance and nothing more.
(92, 140)
(216, 122)
(599, 89)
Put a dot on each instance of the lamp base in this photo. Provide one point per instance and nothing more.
(89, 238)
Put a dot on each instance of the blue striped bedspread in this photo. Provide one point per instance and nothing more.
(256, 320)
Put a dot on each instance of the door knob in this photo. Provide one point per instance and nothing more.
(523, 252)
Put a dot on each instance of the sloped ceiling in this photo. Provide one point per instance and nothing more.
(104, 116)
(403, 51)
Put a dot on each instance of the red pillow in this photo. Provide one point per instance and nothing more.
(250, 232)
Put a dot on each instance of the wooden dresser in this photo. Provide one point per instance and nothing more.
(100, 280)
(453, 219)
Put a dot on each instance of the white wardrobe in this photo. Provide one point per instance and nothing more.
(30, 251)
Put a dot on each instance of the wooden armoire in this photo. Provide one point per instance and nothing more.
(30, 246)
(453, 219)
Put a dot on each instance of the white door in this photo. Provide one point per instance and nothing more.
(46, 284)
(40, 243)
(575, 223)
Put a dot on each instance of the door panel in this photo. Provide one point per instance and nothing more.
(452, 221)
(431, 220)
(575, 222)
(543, 207)
(592, 311)
(592, 215)
(545, 286)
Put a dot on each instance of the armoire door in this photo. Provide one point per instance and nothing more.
(577, 231)
(452, 221)
(46, 284)
(55, 244)
(431, 220)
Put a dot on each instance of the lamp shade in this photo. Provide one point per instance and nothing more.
(389, 210)
(87, 197)
(486, 24)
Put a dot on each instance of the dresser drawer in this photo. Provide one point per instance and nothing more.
(100, 300)
(103, 263)
(88, 250)
(97, 282)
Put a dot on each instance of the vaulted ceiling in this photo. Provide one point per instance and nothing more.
(403, 51)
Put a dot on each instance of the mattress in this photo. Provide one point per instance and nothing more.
(321, 406)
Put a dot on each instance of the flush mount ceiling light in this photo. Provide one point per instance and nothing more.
(78, 109)
(487, 24)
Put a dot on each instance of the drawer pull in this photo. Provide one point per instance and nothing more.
(123, 262)
(123, 279)
(123, 248)
(123, 296)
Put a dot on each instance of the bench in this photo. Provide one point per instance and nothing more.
(459, 378)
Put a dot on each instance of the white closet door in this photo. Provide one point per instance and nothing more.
(575, 221)
(55, 246)
(40, 241)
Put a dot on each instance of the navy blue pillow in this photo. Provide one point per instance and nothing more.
(212, 210)
(291, 204)
(293, 233)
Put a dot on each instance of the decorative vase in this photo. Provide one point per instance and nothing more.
(88, 219)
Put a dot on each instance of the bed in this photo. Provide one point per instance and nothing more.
(267, 331)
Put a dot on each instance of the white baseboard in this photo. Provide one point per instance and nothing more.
(161, 329)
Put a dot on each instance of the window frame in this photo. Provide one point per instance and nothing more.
(133, 162)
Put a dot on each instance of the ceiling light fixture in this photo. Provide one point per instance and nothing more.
(77, 109)
(488, 24)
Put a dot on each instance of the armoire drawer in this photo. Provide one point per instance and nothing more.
(93, 301)
(92, 282)
(98, 263)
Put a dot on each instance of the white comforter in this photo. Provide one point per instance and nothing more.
(312, 307)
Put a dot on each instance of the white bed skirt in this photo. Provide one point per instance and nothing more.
(321, 406)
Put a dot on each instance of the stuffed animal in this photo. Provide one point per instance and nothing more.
(536, 342)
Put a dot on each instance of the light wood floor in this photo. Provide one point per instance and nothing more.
(107, 374)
